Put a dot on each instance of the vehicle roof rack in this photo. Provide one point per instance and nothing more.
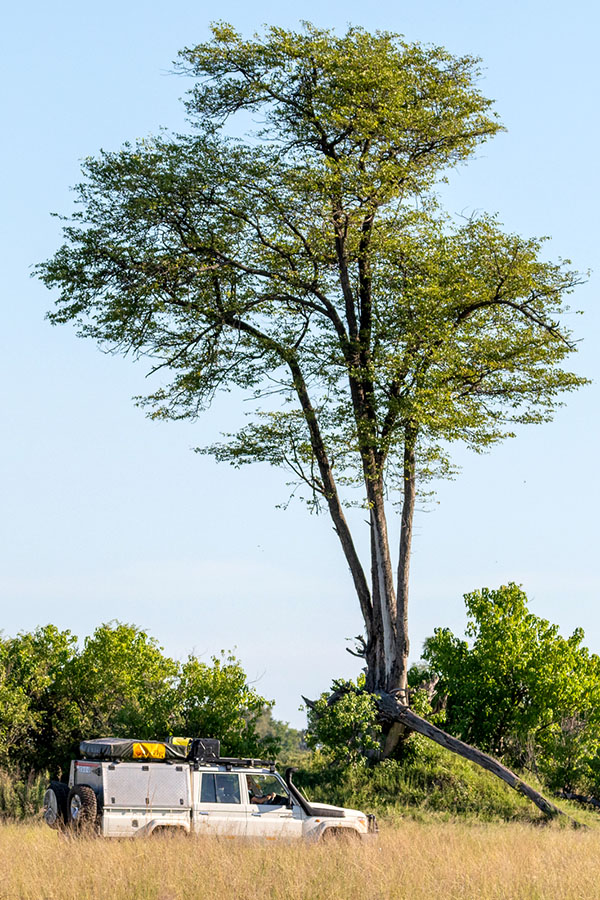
(207, 752)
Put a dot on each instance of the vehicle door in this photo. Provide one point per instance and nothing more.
(272, 814)
(219, 809)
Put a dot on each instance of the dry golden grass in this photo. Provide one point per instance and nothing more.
(411, 860)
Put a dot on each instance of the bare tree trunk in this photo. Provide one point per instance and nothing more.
(406, 532)
(375, 676)
(384, 634)
(399, 683)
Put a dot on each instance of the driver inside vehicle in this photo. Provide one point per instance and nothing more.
(261, 794)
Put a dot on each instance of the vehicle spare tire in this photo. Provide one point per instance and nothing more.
(82, 807)
(55, 804)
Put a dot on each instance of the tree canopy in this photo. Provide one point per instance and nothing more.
(308, 264)
(518, 688)
(119, 682)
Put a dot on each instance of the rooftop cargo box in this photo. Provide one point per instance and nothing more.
(118, 748)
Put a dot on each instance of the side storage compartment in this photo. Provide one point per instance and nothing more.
(138, 798)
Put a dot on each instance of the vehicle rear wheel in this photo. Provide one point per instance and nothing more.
(167, 831)
(82, 807)
(55, 804)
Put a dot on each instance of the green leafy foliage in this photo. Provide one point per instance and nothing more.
(32, 700)
(345, 731)
(217, 701)
(297, 256)
(52, 695)
(521, 690)
(122, 682)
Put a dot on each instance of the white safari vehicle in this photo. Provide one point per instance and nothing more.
(133, 788)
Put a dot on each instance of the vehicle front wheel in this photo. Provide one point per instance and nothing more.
(82, 807)
(340, 835)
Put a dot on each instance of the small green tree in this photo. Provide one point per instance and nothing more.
(33, 706)
(346, 731)
(121, 683)
(217, 701)
(519, 689)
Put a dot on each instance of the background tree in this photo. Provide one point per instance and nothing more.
(310, 262)
(520, 690)
(217, 701)
(34, 708)
(292, 747)
(120, 683)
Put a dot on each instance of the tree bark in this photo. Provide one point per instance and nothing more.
(384, 594)
(396, 712)
(580, 798)
(406, 532)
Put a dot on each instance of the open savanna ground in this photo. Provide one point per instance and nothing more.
(410, 859)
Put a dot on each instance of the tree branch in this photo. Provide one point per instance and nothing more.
(330, 490)
(551, 327)
(397, 712)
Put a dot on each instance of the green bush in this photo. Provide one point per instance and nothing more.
(520, 690)
(346, 731)
(21, 797)
(428, 782)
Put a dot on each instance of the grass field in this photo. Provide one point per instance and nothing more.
(412, 860)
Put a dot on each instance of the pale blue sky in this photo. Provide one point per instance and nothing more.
(107, 515)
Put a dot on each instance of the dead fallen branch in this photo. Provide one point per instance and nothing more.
(579, 798)
(394, 711)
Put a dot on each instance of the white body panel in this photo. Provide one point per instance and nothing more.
(275, 821)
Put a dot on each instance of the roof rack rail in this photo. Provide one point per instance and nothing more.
(231, 761)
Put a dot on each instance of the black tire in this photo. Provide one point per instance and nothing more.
(167, 831)
(82, 807)
(55, 804)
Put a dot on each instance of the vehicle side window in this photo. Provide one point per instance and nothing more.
(208, 793)
(220, 788)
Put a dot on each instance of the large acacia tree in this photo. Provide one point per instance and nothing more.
(308, 263)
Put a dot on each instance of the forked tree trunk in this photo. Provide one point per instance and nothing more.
(381, 660)
(390, 674)
(386, 612)
(387, 662)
